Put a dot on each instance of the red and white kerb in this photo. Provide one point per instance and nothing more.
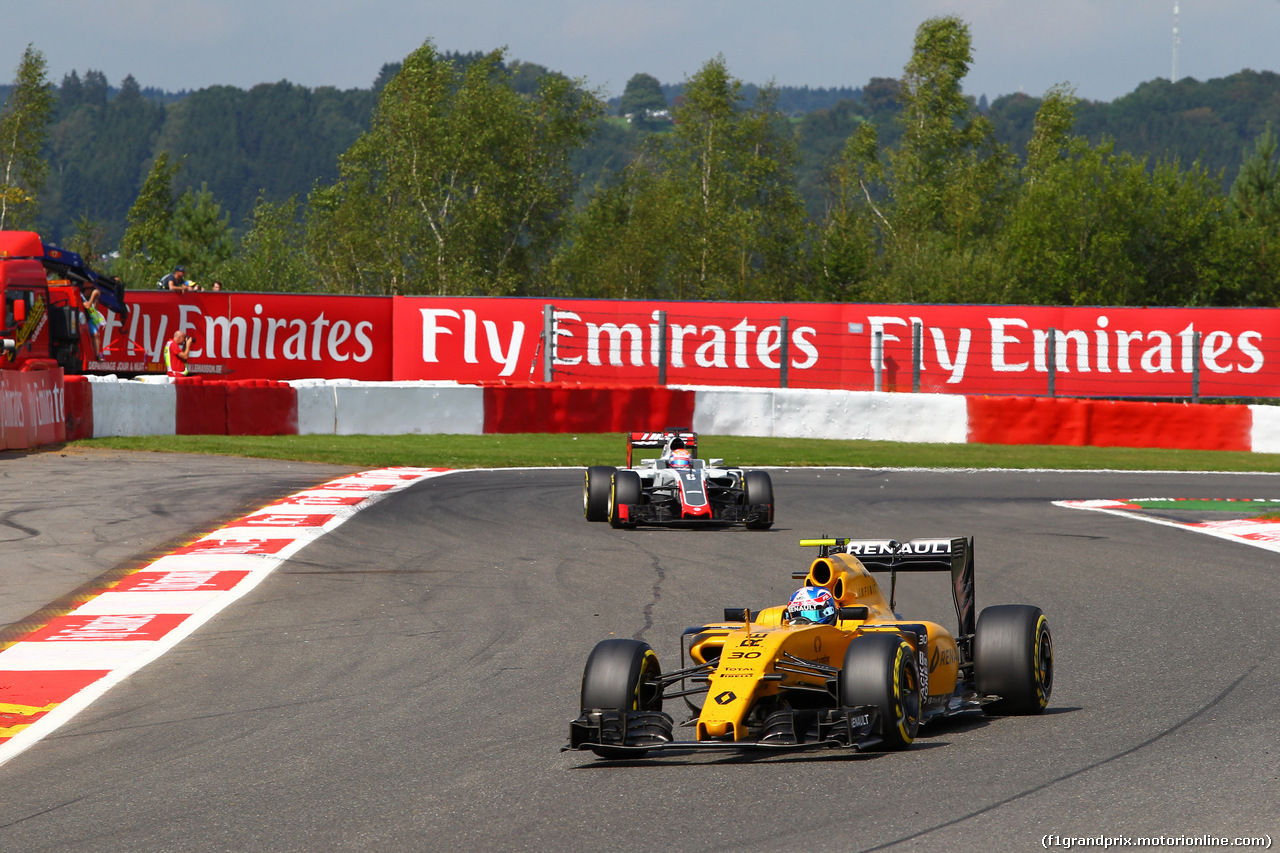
(55, 671)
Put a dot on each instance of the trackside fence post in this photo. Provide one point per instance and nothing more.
(548, 341)
(784, 353)
(1195, 367)
(662, 347)
(917, 354)
(1051, 360)
(877, 358)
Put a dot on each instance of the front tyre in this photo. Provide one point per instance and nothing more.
(595, 492)
(880, 670)
(621, 675)
(625, 489)
(757, 488)
(1013, 659)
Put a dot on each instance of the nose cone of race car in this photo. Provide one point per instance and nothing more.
(739, 680)
(693, 495)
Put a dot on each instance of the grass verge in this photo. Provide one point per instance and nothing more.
(536, 449)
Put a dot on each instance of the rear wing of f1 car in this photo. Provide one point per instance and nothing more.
(916, 555)
(687, 438)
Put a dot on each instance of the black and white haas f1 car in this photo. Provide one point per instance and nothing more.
(676, 488)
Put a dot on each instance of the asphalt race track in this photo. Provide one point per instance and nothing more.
(407, 681)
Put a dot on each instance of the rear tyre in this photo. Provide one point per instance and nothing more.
(624, 489)
(595, 492)
(621, 675)
(1013, 659)
(757, 488)
(880, 670)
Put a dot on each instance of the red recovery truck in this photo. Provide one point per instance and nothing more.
(47, 322)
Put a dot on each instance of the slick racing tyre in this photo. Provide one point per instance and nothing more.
(1013, 659)
(621, 675)
(880, 670)
(625, 489)
(595, 493)
(757, 488)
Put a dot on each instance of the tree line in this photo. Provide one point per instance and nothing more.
(474, 175)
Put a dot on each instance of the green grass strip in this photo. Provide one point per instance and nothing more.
(1236, 505)
(532, 450)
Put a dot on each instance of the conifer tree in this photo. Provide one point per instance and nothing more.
(147, 251)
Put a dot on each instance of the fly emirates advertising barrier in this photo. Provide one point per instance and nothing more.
(962, 349)
(261, 336)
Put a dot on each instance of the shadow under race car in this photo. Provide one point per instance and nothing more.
(656, 492)
(867, 681)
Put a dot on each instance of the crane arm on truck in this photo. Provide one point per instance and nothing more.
(46, 293)
(71, 266)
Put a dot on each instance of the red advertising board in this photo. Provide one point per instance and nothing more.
(262, 336)
(612, 342)
(964, 349)
(32, 408)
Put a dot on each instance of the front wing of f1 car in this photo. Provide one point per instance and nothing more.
(673, 512)
(635, 733)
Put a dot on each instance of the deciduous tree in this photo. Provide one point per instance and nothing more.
(731, 170)
(270, 255)
(846, 251)
(710, 212)
(1096, 227)
(643, 95)
(950, 176)
(23, 130)
(459, 186)
(619, 246)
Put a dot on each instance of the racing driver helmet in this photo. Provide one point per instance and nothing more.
(812, 605)
(680, 459)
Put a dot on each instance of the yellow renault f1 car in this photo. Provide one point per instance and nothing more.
(867, 680)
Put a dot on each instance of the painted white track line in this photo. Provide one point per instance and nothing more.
(53, 673)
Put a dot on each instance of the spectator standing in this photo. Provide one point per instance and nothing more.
(176, 280)
(176, 353)
(91, 307)
(95, 320)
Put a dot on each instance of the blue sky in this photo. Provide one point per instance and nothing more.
(1104, 48)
